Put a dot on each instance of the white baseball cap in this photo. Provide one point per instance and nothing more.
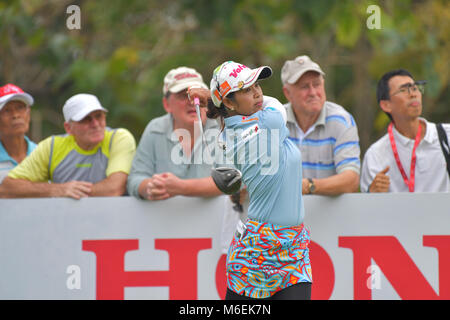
(182, 78)
(231, 76)
(293, 69)
(80, 105)
(11, 92)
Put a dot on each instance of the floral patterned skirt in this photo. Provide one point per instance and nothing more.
(266, 258)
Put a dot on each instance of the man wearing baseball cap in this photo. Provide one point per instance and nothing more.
(14, 124)
(324, 131)
(169, 158)
(90, 160)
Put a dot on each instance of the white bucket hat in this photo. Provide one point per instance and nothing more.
(231, 76)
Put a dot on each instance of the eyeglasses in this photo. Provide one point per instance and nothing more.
(411, 87)
(182, 95)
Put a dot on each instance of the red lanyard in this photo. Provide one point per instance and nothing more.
(409, 182)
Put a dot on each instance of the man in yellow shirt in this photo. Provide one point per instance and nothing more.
(90, 160)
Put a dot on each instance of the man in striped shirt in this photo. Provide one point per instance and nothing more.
(325, 132)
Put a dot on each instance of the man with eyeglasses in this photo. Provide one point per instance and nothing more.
(91, 160)
(169, 158)
(409, 158)
(14, 124)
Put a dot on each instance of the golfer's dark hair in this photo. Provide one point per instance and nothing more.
(219, 112)
(216, 112)
(383, 85)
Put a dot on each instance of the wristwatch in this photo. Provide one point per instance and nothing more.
(312, 186)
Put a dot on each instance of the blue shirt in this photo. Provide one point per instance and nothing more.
(271, 164)
(7, 163)
(330, 146)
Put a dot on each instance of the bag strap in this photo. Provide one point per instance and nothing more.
(444, 144)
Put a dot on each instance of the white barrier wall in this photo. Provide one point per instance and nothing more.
(364, 246)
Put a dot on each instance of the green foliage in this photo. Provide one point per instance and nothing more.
(124, 49)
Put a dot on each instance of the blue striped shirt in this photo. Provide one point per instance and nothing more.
(331, 146)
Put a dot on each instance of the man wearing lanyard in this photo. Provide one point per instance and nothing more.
(409, 158)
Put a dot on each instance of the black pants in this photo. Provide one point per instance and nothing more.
(299, 291)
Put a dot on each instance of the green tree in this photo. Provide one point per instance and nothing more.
(124, 49)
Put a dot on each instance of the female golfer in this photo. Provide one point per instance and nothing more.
(268, 257)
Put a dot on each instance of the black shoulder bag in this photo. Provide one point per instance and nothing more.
(444, 144)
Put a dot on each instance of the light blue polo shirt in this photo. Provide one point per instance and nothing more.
(7, 163)
(258, 145)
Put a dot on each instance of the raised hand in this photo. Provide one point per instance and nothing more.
(381, 181)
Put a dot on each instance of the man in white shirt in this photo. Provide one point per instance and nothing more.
(409, 158)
